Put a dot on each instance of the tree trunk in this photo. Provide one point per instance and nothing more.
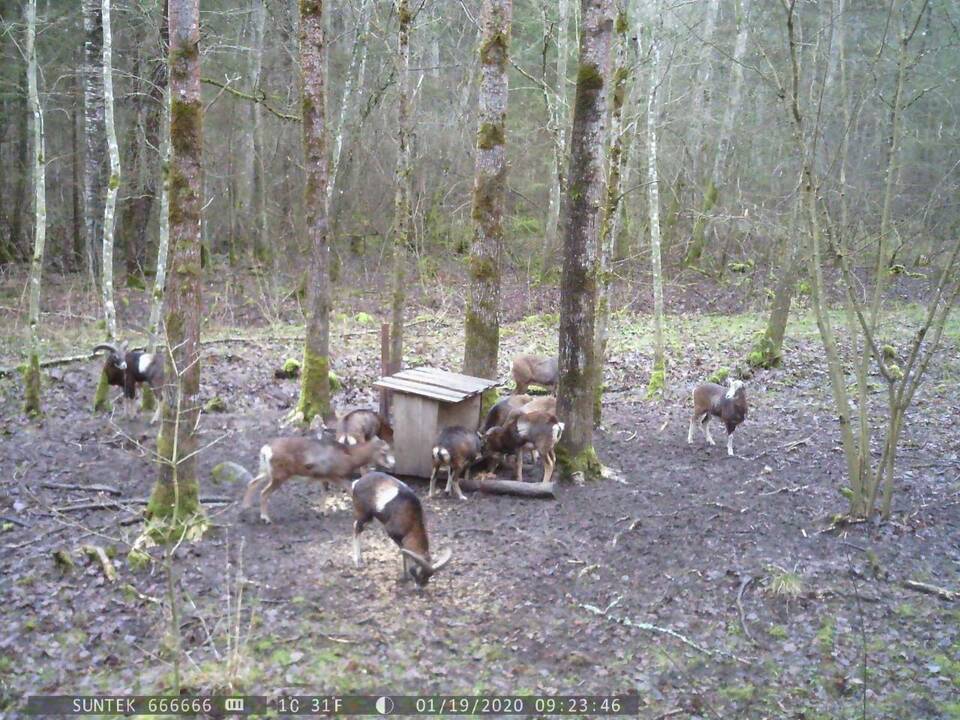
(176, 493)
(575, 453)
(557, 110)
(94, 180)
(350, 102)
(76, 191)
(113, 185)
(704, 91)
(32, 373)
(714, 184)
(163, 240)
(482, 331)
(258, 192)
(403, 220)
(611, 204)
(658, 373)
(315, 382)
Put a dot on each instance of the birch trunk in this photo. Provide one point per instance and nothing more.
(611, 204)
(658, 374)
(402, 221)
(315, 382)
(575, 453)
(704, 91)
(32, 373)
(715, 182)
(94, 182)
(175, 495)
(482, 327)
(76, 192)
(261, 248)
(557, 110)
(349, 104)
(113, 184)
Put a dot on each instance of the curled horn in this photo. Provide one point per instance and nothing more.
(425, 564)
(106, 346)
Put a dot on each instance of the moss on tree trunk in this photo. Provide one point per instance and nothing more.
(314, 386)
(101, 398)
(31, 389)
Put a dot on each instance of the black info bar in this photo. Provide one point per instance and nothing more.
(332, 705)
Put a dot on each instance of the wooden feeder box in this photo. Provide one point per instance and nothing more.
(425, 401)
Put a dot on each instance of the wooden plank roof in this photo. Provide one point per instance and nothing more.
(436, 384)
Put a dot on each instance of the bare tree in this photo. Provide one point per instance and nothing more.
(315, 379)
(258, 191)
(32, 373)
(558, 124)
(403, 210)
(611, 202)
(482, 326)
(715, 182)
(113, 184)
(94, 180)
(176, 493)
(575, 452)
(658, 373)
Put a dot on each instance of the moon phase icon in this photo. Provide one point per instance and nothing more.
(384, 705)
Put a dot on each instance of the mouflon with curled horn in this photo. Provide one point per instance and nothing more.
(397, 507)
(130, 368)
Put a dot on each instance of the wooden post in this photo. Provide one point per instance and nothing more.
(385, 367)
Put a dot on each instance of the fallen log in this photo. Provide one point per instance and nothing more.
(927, 589)
(493, 486)
(116, 504)
(52, 362)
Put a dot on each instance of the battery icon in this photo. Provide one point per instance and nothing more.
(233, 704)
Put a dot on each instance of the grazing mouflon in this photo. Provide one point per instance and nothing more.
(361, 425)
(393, 503)
(129, 368)
(534, 369)
(456, 449)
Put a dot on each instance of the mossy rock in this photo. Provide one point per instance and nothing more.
(335, 382)
(63, 560)
(215, 405)
(135, 282)
(290, 369)
(227, 473)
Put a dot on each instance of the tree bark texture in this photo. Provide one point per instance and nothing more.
(581, 214)
(403, 213)
(315, 383)
(559, 117)
(482, 332)
(32, 374)
(176, 492)
(94, 172)
(658, 373)
(113, 184)
(611, 204)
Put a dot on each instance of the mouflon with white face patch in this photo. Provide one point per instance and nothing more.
(362, 425)
(456, 449)
(529, 369)
(397, 507)
(727, 403)
(325, 460)
(129, 368)
(539, 431)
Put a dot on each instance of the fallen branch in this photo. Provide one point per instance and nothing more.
(927, 589)
(15, 521)
(743, 621)
(787, 447)
(633, 526)
(117, 504)
(86, 488)
(785, 489)
(97, 553)
(52, 362)
(509, 487)
(662, 631)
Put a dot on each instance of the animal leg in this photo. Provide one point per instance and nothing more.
(264, 497)
(547, 467)
(433, 482)
(251, 488)
(456, 486)
(705, 429)
(730, 444)
(357, 529)
(690, 430)
(449, 487)
(404, 568)
(156, 413)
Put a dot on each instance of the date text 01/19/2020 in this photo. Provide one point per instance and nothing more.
(442, 705)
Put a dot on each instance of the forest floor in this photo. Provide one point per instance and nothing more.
(786, 615)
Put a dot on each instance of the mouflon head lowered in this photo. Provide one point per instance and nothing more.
(729, 404)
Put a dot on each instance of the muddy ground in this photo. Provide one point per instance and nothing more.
(784, 617)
